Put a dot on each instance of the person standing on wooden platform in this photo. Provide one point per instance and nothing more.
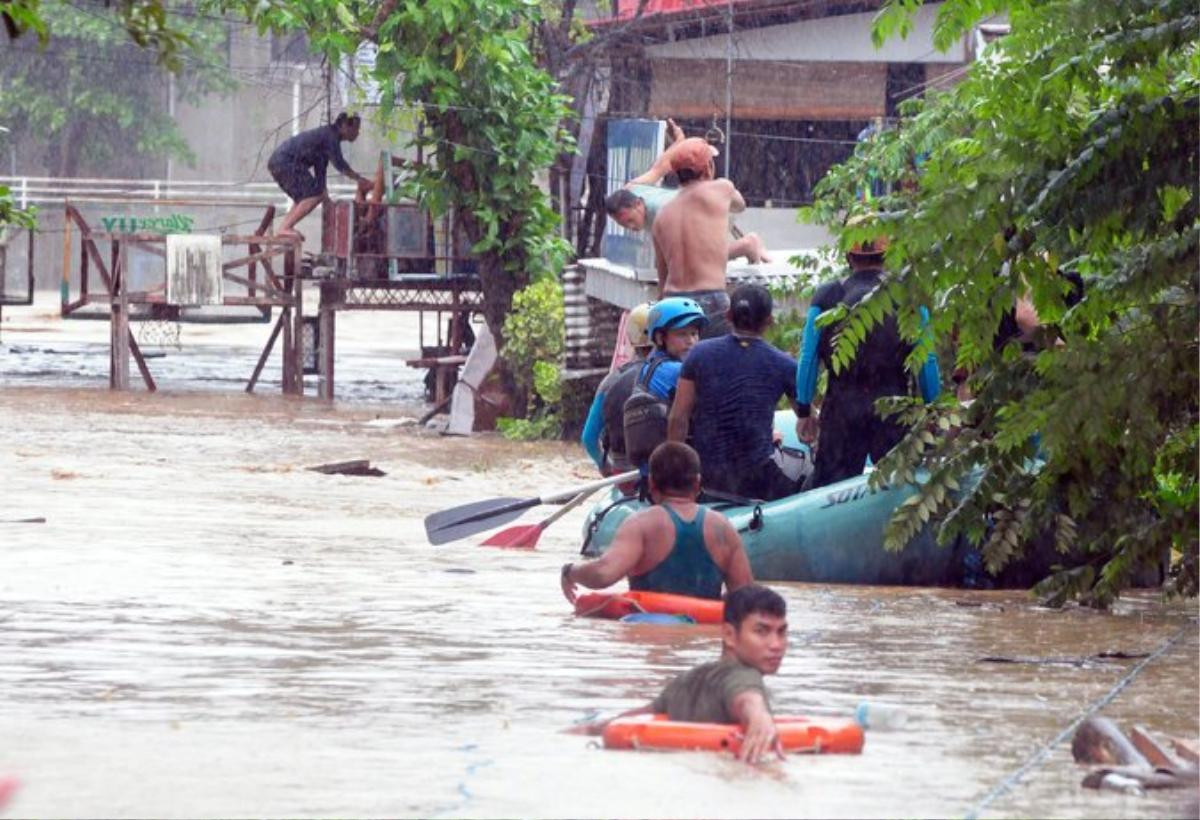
(299, 164)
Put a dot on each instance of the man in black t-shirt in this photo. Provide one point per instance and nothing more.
(726, 398)
(299, 165)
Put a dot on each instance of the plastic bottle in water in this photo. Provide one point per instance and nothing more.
(882, 716)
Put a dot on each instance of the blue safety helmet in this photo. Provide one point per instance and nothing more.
(673, 313)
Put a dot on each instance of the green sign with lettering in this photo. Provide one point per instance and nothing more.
(175, 223)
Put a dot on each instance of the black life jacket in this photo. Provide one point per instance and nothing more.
(645, 418)
(878, 368)
(618, 388)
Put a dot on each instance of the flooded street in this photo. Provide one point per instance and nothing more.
(202, 627)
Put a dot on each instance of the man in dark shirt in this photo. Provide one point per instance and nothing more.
(299, 166)
(849, 428)
(727, 394)
(731, 689)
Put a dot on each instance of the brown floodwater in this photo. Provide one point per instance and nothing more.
(202, 627)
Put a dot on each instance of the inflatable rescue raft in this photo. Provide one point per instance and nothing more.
(797, 734)
(833, 534)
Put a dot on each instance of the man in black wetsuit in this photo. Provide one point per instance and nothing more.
(849, 428)
(299, 166)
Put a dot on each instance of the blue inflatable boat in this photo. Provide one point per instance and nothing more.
(833, 534)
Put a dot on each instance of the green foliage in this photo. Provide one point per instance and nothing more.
(147, 23)
(10, 214)
(91, 97)
(1070, 148)
(542, 425)
(536, 333)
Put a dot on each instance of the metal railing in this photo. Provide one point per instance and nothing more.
(31, 190)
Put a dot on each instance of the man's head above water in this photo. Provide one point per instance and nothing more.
(755, 628)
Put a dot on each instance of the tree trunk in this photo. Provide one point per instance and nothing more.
(68, 150)
(499, 285)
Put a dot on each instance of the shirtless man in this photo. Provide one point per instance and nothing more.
(635, 206)
(689, 235)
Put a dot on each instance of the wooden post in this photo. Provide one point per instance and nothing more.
(297, 322)
(263, 227)
(288, 351)
(118, 372)
(328, 325)
(266, 351)
(65, 287)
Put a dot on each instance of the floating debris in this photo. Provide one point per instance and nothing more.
(358, 467)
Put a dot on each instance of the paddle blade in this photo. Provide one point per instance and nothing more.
(469, 519)
(520, 537)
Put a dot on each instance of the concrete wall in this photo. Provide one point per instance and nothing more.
(779, 229)
(233, 136)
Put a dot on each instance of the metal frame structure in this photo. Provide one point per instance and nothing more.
(5, 299)
(283, 291)
(457, 294)
(90, 254)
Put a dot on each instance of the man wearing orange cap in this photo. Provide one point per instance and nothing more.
(689, 234)
(635, 205)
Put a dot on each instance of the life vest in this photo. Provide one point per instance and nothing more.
(645, 418)
(617, 389)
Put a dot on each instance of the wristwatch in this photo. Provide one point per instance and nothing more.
(566, 571)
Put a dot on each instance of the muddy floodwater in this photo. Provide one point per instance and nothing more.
(203, 627)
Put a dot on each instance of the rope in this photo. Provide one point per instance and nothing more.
(1007, 783)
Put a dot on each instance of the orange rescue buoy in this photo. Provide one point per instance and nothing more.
(617, 605)
(798, 734)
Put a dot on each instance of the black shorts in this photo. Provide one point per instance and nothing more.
(296, 181)
(714, 303)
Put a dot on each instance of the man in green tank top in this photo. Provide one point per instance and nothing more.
(676, 546)
(731, 689)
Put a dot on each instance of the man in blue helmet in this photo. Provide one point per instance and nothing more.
(674, 327)
(849, 428)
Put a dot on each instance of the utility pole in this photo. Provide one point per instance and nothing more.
(728, 84)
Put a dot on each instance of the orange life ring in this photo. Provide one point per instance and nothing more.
(617, 605)
(798, 734)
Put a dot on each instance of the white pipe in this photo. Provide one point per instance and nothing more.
(295, 107)
(171, 114)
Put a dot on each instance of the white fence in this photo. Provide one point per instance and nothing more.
(56, 190)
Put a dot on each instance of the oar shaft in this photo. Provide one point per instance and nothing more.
(566, 508)
(498, 511)
(590, 488)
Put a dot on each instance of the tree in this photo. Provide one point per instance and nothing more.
(1067, 156)
(93, 98)
(492, 120)
(146, 22)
